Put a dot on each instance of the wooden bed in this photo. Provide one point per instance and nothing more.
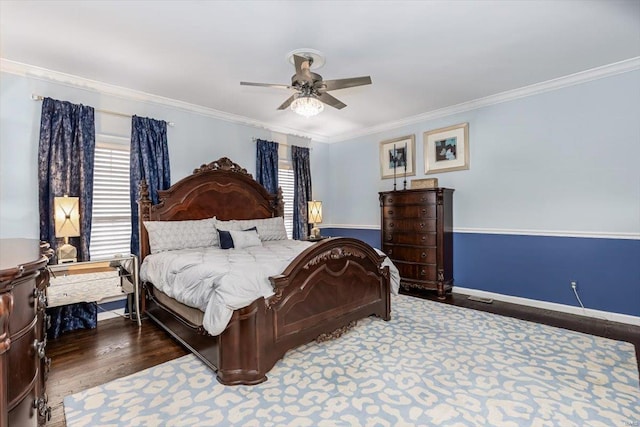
(320, 294)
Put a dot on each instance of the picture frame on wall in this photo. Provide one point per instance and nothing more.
(397, 157)
(446, 149)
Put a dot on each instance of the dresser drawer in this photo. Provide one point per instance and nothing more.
(420, 226)
(409, 198)
(23, 361)
(421, 239)
(411, 254)
(416, 271)
(410, 211)
(24, 308)
(24, 414)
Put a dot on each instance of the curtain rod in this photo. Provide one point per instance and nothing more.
(280, 143)
(113, 113)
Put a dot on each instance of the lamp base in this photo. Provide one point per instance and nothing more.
(315, 233)
(66, 253)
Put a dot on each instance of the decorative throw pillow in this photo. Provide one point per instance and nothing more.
(226, 241)
(224, 226)
(245, 239)
(268, 228)
(172, 235)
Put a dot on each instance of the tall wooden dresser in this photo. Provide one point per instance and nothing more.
(417, 235)
(23, 363)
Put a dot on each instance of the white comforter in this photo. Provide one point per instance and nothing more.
(219, 281)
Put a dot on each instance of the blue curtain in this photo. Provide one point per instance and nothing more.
(149, 160)
(65, 166)
(66, 318)
(267, 164)
(302, 191)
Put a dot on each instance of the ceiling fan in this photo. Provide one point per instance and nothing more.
(311, 89)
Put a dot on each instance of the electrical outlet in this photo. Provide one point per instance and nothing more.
(574, 284)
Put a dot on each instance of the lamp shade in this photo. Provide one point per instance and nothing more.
(67, 216)
(315, 211)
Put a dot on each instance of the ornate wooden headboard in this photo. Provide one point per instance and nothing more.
(222, 189)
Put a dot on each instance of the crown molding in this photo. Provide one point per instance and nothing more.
(625, 66)
(31, 71)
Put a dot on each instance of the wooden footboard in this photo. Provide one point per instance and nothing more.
(326, 287)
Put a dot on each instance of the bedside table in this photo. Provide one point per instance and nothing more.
(95, 281)
(310, 239)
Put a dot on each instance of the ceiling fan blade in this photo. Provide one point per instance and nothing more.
(330, 100)
(345, 83)
(287, 103)
(302, 67)
(278, 86)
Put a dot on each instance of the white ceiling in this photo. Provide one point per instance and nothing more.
(421, 55)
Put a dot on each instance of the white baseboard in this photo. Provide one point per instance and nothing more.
(596, 314)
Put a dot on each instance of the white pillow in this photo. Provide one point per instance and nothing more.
(245, 239)
(268, 228)
(172, 235)
(227, 225)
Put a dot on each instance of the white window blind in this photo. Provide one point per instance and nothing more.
(111, 221)
(285, 181)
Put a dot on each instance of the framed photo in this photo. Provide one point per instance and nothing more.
(446, 149)
(397, 157)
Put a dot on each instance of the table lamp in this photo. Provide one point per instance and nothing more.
(67, 221)
(315, 217)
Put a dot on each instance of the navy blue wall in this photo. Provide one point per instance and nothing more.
(541, 267)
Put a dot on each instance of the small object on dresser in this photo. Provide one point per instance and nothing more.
(424, 183)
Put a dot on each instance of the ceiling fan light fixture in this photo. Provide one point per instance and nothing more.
(307, 106)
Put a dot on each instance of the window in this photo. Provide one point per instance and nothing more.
(111, 222)
(285, 181)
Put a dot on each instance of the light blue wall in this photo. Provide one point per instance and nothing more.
(195, 139)
(561, 163)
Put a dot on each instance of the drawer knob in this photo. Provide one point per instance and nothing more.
(391, 199)
(391, 212)
(390, 224)
(44, 410)
(424, 211)
(422, 225)
(423, 273)
(38, 347)
(41, 297)
(423, 255)
(424, 238)
(390, 237)
(390, 251)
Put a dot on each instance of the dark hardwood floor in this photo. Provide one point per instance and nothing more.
(88, 358)
(85, 359)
